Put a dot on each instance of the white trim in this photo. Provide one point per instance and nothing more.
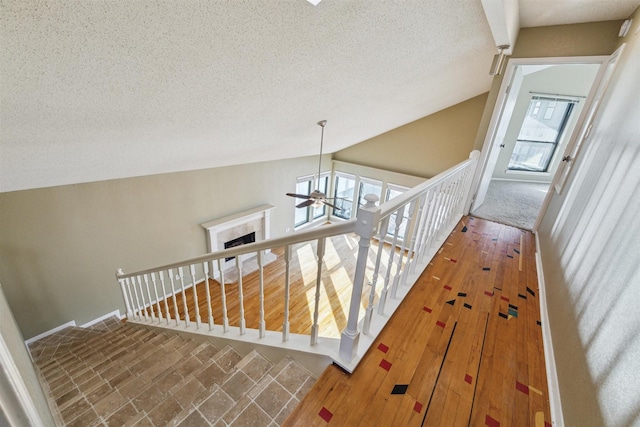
(521, 180)
(50, 332)
(11, 380)
(555, 403)
(526, 173)
(101, 318)
(497, 117)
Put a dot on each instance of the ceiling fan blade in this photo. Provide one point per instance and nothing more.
(330, 205)
(305, 204)
(299, 196)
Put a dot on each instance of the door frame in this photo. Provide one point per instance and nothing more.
(501, 116)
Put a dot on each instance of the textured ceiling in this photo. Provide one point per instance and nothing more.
(94, 90)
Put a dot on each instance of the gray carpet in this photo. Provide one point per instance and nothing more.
(513, 203)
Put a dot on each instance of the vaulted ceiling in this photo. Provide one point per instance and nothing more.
(95, 90)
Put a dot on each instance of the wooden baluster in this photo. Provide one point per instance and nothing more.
(137, 285)
(460, 190)
(316, 307)
(433, 223)
(262, 326)
(134, 310)
(287, 288)
(452, 191)
(445, 205)
(155, 292)
(422, 228)
(366, 222)
(175, 299)
(225, 318)
(205, 266)
(192, 270)
(187, 319)
(448, 197)
(404, 269)
(241, 323)
(387, 276)
(150, 306)
(384, 227)
(164, 292)
(416, 229)
(468, 177)
(410, 235)
(396, 277)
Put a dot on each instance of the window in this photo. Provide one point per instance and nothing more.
(304, 185)
(344, 192)
(394, 191)
(368, 186)
(540, 133)
(322, 187)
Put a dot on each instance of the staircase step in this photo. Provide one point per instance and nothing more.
(120, 374)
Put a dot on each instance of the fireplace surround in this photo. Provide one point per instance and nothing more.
(230, 228)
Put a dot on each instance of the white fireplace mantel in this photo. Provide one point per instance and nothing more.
(221, 230)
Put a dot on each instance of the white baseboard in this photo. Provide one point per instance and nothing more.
(115, 313)
(555, 403)
(72, 324)
(49, 332)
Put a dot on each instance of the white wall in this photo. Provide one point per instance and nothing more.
(568, 79)
(590, 248)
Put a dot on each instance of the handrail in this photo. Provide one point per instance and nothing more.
(297, 237)
(387, 208)
(415, 222)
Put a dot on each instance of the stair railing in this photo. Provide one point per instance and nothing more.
(433, 208)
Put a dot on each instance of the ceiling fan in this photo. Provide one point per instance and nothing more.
(317, 198)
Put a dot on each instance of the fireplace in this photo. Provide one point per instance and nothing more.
(245, 227)
(239, 241)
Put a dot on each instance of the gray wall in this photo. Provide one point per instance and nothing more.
(60, 246)
(590, 247)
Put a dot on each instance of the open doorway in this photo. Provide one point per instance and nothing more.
(543, 107)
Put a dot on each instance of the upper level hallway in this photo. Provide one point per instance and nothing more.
(464, 348)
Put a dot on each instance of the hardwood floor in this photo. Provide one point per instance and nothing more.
(338, 267)
(464, 349)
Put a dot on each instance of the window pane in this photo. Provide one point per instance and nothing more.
(540, 133)
(302, 214)
(545, 121)
(344, 192)
(367, 187)
(531, 156)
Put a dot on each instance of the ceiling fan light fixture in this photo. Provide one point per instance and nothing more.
(314, 2)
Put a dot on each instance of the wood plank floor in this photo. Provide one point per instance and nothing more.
(464, 349)
(338, 267)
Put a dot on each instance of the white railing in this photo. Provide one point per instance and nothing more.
(433, 207)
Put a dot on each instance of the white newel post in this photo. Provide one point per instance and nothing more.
(366, 221)
(125, 294)
(316, 313)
